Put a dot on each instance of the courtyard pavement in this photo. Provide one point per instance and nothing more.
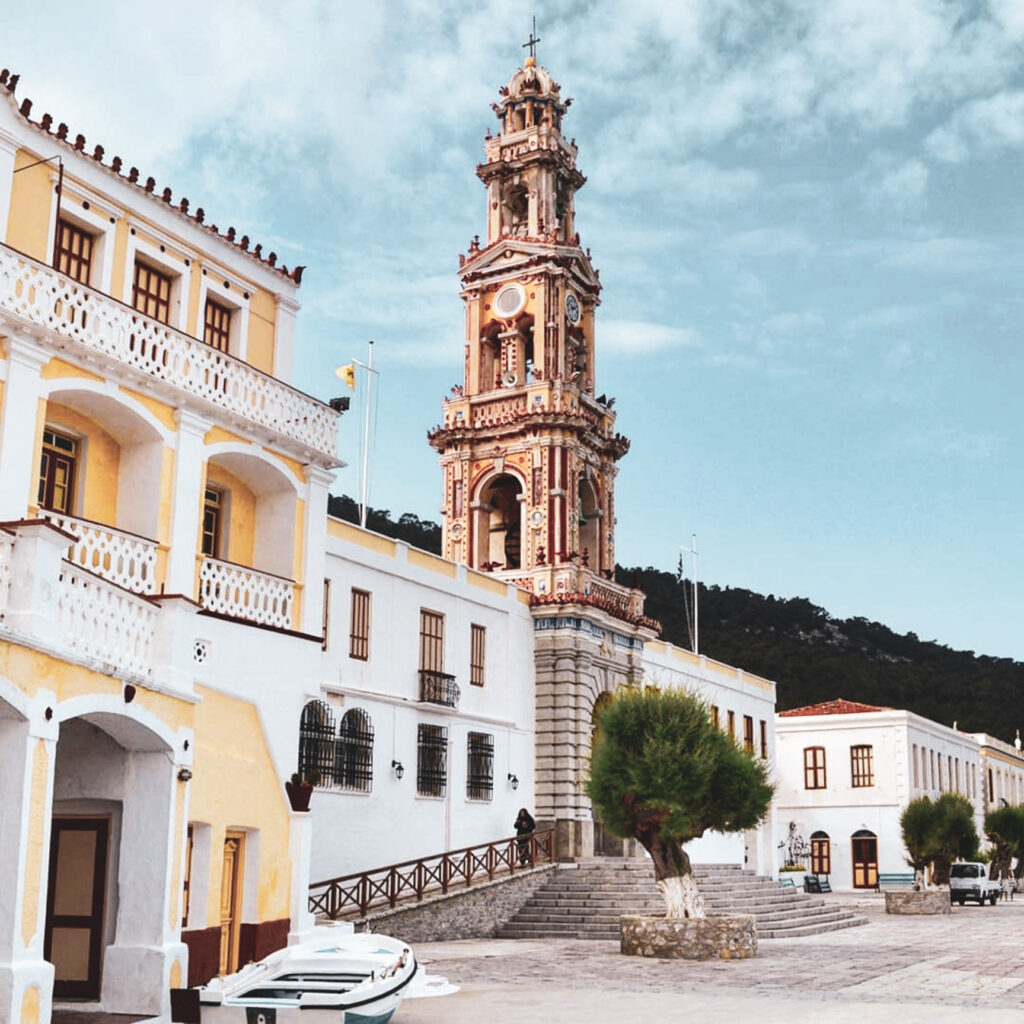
(966, 966)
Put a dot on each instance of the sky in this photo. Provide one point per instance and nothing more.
(807, 216)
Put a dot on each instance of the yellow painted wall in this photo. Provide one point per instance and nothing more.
(347, 531)
(30, 1005)
(432, 562)
(59, 368)
(262, 317)
(31, 198)
(96, 486)
(117, 274)
(218, 435)
(240, 523)
(35, 855)
(236, 786)
(161, 410)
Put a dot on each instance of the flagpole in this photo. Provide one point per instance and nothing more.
(366, 437)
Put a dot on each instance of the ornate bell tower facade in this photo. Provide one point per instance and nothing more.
(527, 451)
(529, 454)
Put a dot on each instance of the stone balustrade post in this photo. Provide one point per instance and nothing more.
(32, 604)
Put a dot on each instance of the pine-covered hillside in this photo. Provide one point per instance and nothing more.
(814, 657)
(810, 655)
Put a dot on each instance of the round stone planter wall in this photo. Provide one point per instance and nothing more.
(725, 937)
(928, 902)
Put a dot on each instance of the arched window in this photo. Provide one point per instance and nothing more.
(354, 757)
(316, 744)
(821, 853)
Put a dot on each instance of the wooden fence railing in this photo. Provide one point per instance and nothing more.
(415, 879)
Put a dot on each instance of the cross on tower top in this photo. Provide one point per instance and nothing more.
(533, 40)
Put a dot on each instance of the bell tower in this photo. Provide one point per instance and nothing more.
(528, 452)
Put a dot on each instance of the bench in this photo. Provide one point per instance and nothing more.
(816, 883)
(787, 883)
(894, 880)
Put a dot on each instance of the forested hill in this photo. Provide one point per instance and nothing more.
(810, 655)
(814, 657)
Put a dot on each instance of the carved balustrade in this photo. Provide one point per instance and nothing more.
(121, 557)
(245, 593)
(40, 295)
(103, 621)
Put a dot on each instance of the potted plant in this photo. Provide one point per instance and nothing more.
(796, 872)
(300, 788)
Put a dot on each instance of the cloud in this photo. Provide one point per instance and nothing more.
(947, 254)
(981, 126)
(900, 187)
(638, 337)
(768, 242)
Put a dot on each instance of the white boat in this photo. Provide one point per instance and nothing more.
(335, 978)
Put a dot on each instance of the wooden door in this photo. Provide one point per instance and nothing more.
(865, 862)
(73, 940)
(230, 902)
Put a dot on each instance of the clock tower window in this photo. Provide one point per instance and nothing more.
(499, 532)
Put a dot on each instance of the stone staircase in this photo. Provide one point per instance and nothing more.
(585, 901)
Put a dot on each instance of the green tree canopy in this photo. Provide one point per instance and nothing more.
(917, 823)
(1004, 828)
(661, 773)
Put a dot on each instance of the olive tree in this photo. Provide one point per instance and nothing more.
(661, 773)
(917, 823)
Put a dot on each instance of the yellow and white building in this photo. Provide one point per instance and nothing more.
(163, 495)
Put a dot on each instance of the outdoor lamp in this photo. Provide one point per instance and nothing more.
(398, 769)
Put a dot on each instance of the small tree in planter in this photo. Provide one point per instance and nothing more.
(661, 773)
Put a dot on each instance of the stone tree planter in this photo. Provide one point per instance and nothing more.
(724, 937)
(931, 901)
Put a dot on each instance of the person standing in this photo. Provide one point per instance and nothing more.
(524, 827)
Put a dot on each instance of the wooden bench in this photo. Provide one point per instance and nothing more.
(894, 880)
(816, 883)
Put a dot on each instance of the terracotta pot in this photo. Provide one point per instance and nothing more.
(298, 795)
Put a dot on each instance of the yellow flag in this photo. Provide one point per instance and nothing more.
(348, 374)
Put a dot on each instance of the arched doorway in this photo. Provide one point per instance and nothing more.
(821, 853)
(590, 524)
(865, 859)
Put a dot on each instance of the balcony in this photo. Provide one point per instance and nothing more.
(34, 294)
(116, 555)
(245, 593)
(438, 688)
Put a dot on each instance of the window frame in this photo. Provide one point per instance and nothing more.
(221, 331)
(163, 303)
(86, 260)
(232, 294)
(477, 653)
(431, 760)
(218, 533)
(862, 771)
(815, 768)
(359, 624)
(730, 718)
(93, 215)
(748, 735)
(50, 455)
(157, 258)
(821, 855)
(764, 740)
(353, 752)
(480, 766)
(431, 650)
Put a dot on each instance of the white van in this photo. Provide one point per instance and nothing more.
(969, 880)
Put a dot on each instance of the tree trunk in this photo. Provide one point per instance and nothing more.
(674, 878)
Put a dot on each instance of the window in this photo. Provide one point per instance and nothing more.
(715, 717)
(814, 767)
(731, 718)
(480, 766)
(764, 740)
(74, 252)
(913, 761)
(353, 759)
(217, 326)
(57, 468)
(316, 743)
(748, 735)
(432, 760)
(861, 771)
(151, 292)
(213, 509)
(325, 618)
(477, 636)
(187, 885)
(431, 641)
(821, 854)
(359, 626)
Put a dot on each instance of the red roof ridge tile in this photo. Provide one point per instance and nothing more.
(839, 706)
(9, 81)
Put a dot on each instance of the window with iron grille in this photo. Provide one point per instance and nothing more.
(217, 325)
(431, 641)
(432, 760)
(57, 471)
(316, 743)
(359, 626)
(353, 759)
(74, 252)
(814, 767)
(480, 766)
(764, 740)
(477, 637)
(151, 292)
(861, 770)
(748, 735)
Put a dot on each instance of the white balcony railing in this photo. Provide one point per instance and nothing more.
(6, 551)
(246, 593)
(100, 620)
(123, 558)
(37, 293)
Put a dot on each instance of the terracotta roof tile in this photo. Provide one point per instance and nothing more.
(832, 707)
(9, 81)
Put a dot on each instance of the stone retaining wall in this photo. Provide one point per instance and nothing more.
(475, 913)
(724, 937)
(928, 902)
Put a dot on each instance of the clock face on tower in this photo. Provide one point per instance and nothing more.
(572, 308)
